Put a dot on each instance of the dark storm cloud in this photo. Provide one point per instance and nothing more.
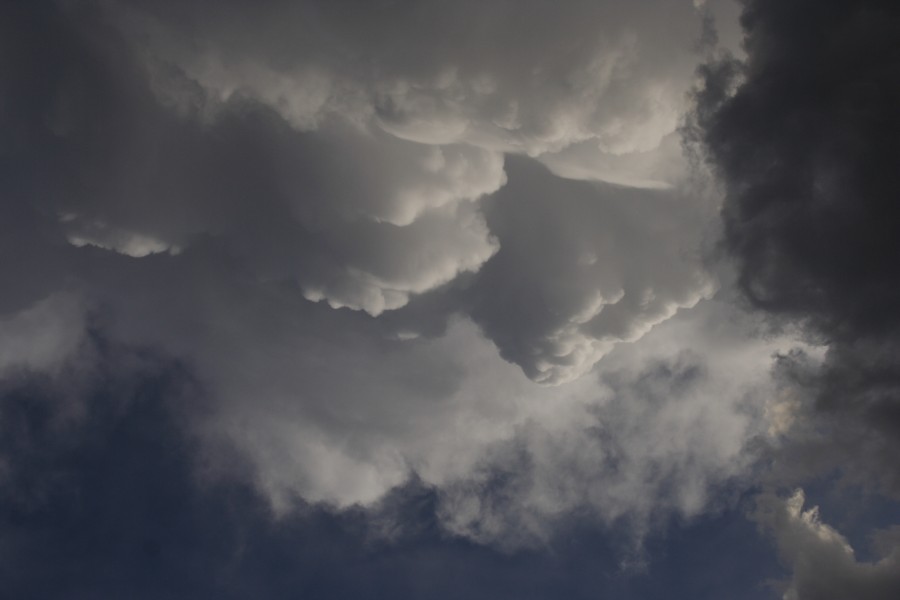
(805, 136)
(842, 411)
(807, 147)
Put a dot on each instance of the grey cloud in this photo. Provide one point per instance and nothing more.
(838, 414)
(661, 431)
(583, 266)
(319, 253)
(822, 561)
(109, 504)
(330, 406)
(660, 168)
(551, 77)
(129, 174)
(42, 337)
(348, 211)
(187, 179)
(803, 135)
(805, 146)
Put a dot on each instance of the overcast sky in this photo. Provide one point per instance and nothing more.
(437, 299)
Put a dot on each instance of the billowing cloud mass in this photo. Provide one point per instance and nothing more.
(307, 298)
(195, 184)
(611, 264)
(165, 127)
(822, 559)
(805, 139)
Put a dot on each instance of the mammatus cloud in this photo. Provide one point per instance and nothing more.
(165, 129)
(199, 184)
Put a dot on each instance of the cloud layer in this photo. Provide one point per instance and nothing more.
(470, 277)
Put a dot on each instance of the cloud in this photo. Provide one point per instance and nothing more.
(337, 407)
(132, 175)
(583, 266)
(200, 222)
(117, 502)
(803, 136)
(662, 431)
(659, 432)
(822, 561)
(42, 337)
(559, 76)
(328, 250)
(149, 155)
(808, 173)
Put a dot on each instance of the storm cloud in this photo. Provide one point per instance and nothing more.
(805, 143)
(805, 140)
(343, 299)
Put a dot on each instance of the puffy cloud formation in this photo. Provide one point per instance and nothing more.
(658, 431)
(821, 559)
(131, 174)
(359, 175)
(663, 431)
(222, 185)
(108, 503)
(611, 263)
(439, 72)
(432, 276)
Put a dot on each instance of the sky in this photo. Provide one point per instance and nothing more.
(437, 299)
